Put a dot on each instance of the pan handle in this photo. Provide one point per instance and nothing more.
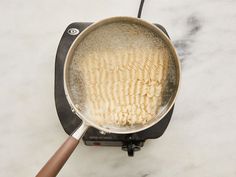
(56, 162)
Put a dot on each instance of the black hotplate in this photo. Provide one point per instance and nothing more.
(70, 121)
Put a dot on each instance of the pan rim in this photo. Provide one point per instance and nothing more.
(87, 31)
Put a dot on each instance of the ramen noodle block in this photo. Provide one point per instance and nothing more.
(124, 88)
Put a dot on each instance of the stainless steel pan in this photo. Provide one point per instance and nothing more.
(113, 34)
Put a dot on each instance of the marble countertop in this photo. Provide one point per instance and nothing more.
(201, 137)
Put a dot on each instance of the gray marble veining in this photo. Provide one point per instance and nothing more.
(201, 138)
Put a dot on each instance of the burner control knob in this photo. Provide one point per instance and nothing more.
(131, 148)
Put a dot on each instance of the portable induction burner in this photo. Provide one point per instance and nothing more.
(70, 121)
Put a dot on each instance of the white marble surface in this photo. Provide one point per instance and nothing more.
(201, 138)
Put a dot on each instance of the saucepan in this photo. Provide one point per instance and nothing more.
(125, 45)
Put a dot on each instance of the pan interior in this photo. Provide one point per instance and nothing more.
(122, 75)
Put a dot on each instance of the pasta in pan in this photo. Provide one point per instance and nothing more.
(125, 87)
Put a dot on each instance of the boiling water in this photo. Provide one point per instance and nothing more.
(122, 74)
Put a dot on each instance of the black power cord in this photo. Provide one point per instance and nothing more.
(140, 8)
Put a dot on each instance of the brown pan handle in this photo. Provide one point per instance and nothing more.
(56, 162)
